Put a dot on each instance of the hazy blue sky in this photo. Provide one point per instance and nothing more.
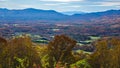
(62, 5)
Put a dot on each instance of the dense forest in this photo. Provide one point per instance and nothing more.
(21, 52)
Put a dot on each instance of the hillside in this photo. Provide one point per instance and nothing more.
(30, 14)
(37, 15)
(110, 16)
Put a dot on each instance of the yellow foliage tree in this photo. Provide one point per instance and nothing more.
(107, 54)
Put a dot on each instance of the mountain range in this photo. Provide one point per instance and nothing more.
(38, 15)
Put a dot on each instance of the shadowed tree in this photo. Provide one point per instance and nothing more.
(3, 42)
(19, 53)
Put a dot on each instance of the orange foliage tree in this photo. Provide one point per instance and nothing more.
(61, 50)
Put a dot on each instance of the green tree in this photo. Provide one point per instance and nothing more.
(81, 64)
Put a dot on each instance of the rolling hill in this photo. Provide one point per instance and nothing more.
(110, 16)
(30, 14)
(37, 15)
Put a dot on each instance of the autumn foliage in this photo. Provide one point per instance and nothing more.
(21, 52)
(18, 53)
(107, 54)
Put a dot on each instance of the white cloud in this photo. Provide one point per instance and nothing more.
(50, 4)
(25, 6)
(74, 6)
(63, 0)
(55, 4)
(109, 3)
(106, 4)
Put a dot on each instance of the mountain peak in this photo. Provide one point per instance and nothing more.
(31, 9)
(73, 12)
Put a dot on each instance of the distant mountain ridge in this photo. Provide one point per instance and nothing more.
(30, 14)
(38, 15)
(109, 16)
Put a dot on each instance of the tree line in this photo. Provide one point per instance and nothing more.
(21, 52)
